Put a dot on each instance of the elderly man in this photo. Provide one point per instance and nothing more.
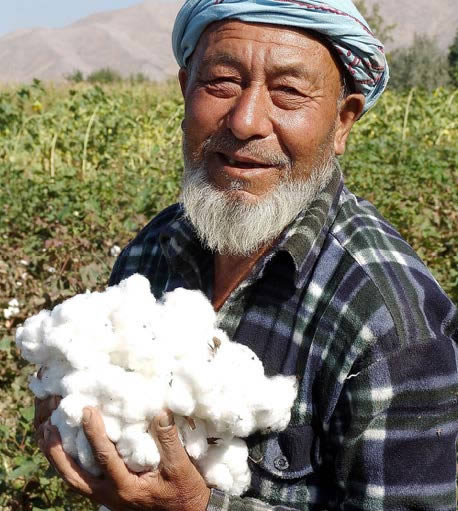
(299, 269)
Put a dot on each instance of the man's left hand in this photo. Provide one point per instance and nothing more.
(175, 486)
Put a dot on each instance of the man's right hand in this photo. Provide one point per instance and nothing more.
(44, 407)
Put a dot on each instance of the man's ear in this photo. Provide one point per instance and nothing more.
(350, 111)
(183, 79)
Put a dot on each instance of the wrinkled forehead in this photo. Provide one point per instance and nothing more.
(313, 48)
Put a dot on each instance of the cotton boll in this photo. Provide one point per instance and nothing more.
(29, 339)
(36, 386)
(238, 419)
(180, 328)
(112, 406)
(64, 339)
(72, 407)
(51, 378)
(217, 474)
(193, 436)
(131, 357)
(180, 399)
(82, 382)
(274, 408)
(146, 355)
(137, 285)
(236, 358)
(67, 433)
(138, 449)
(71, 310)
(138, 405)
(217, 437)
(85, 456)
(113, 427)
(112, 381)
(226, 467)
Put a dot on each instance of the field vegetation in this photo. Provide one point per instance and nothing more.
(83, 167)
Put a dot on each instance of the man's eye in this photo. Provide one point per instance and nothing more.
(221, 80)
(288, 90)
(222, 86)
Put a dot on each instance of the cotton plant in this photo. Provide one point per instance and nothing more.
(132, 356)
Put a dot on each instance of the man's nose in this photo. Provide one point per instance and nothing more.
(249, 116)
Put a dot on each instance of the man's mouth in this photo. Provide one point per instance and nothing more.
(242, 162)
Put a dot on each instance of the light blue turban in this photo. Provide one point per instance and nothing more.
(338, 20)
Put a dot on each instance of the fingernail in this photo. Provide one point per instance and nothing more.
(87, 413)
(166, 419)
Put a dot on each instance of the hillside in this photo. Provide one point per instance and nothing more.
(137, 39)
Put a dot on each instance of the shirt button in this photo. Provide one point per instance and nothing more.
(281, 463)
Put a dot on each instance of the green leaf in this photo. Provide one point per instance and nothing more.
(27, 413)
(25, 470)
(5, 344)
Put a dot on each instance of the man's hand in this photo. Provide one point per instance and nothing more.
(44, 407)
(175, 486)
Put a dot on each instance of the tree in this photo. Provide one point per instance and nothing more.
(453, 61)
(421, 65)
(376, 21)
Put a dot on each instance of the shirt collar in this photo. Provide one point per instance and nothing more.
(302, 240)
(304, 237)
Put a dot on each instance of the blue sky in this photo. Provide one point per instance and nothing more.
(16, 14)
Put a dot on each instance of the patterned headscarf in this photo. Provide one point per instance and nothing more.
(338, 20)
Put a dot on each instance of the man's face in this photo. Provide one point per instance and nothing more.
(261, 111)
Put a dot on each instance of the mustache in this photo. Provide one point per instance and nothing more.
(225, 142)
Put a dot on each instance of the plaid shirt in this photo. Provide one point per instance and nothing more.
(344, 303)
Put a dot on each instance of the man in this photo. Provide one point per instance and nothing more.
(299, 269)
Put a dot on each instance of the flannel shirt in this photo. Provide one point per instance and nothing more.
(343, 303)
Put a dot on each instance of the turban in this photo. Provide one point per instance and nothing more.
(337, 20)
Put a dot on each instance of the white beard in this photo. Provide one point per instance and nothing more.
(232, 226)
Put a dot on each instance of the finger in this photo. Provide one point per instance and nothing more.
(44, 409)
(173, 454)
(80, 480)
(103, 449)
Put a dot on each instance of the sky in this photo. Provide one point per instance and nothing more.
(17, 14)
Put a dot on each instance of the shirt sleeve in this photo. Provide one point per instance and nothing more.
(394, 432)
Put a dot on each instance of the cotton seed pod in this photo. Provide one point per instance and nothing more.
(131, 357)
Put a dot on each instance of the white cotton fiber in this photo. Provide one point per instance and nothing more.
(85, 456)
(132, 357)
(137, 448)
(225, 466)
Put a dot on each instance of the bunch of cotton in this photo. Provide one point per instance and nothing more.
(132, 356)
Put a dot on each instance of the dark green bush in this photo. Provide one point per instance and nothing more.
(106, 75)
(421, 65)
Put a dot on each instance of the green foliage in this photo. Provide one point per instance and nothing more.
(402, 156)
(138, 78)
(453, 61)
(376, 21)
(75, 77)
(420, 65)
(105, 75)
(84, 167)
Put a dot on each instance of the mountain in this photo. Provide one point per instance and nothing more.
(137, 39)
(131, 40)
(438, 18)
